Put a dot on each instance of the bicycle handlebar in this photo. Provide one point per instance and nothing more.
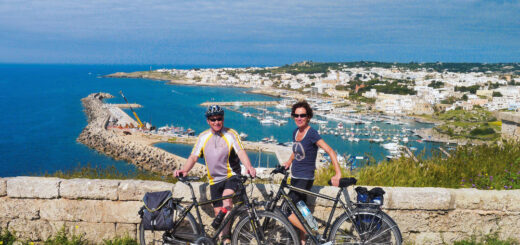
(279, 170)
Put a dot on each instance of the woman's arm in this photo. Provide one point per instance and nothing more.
(288, 163)
(323, 145)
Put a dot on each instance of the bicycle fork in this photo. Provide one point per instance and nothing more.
(255, 225)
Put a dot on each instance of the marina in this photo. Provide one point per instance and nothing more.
(397, 136)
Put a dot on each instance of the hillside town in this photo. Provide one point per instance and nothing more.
(393, 90)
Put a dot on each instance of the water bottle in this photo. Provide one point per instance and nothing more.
(219, 218)
(306, 213)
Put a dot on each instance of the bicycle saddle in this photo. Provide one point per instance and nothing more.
(346, 182)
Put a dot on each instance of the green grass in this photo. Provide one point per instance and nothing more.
(488, 239)
(6, 237)
(109, 172)
(487, 166)
(62, 237)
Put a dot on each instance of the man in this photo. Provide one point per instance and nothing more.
(218, 145)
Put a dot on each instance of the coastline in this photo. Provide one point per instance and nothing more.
(427, 135)
(134, 149)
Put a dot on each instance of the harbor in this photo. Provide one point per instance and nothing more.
(397, 136)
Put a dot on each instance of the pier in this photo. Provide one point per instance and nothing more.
(242, 103)
(125, 106)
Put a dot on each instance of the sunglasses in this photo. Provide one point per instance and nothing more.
(299, 115)
(216, 119)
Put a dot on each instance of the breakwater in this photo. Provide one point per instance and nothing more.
(37, 207)
(120, 147)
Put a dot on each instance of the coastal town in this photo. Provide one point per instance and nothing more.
(423, 91)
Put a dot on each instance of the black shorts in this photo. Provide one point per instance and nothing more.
(298, 196)
(217, 189)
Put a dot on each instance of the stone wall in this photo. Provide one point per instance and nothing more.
(38, 207)
(95, 136)
(510, 125)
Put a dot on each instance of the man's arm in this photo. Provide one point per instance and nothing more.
(242, 155)
(187, 166)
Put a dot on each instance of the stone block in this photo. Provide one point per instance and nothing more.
(474, 199)
(4, 222)
(126, 230)
(428, 238)
(201, 191)
(33, 187)
(509, 226)
(91, 211)
(15, 208)
(89, 189)
(34, 230)
(3, 187)
(135, 189)
(419, 198)
(92, 232)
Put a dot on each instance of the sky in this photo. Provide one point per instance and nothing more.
(262, 32)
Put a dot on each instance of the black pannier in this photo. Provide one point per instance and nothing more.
(157, 212)
(373, 198)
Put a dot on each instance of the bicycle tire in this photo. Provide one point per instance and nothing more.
(375, 227)
(189, 227)
(279, 230)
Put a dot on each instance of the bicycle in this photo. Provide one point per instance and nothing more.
(361, 223)
(188, 230)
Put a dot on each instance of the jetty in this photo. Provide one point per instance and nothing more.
(126, 106)
(242, 103)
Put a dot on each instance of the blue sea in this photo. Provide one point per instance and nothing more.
(42, 116)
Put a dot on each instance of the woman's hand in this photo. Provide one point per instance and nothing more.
(335, 180)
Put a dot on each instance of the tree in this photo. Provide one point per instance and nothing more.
(465, 97)
(497, 94)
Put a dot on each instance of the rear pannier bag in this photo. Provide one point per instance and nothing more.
(369, 199)
(157, 212)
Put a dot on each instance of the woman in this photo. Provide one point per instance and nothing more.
(303, 159)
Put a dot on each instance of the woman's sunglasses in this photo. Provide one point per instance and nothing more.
(216, 119)
(299, 115)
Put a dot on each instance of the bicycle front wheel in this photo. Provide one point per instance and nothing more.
(275, 229)
(187, 230)
(366, 226)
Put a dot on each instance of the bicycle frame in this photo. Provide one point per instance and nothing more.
(282, 194)
(236, 209)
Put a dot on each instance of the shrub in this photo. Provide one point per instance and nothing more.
(6, 237)
(487, 166)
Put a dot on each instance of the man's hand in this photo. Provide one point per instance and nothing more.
(286, 165)
(181, 173)
(335, 180)
(252, 171)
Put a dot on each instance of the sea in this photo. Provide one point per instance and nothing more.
(42, 115)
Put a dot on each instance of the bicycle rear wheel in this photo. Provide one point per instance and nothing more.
(187, 230)
(367, 226)
(276, 230)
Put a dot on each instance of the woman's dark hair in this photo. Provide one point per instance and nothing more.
(303, 104)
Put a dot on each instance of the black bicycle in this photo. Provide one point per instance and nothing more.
(187, 230)
(361, 223)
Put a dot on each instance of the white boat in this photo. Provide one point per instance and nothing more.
(280, 106)
(280, 122)
(405, 139)
(267, 120)
(246, 114)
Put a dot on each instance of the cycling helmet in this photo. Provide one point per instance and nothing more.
(214, 110)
